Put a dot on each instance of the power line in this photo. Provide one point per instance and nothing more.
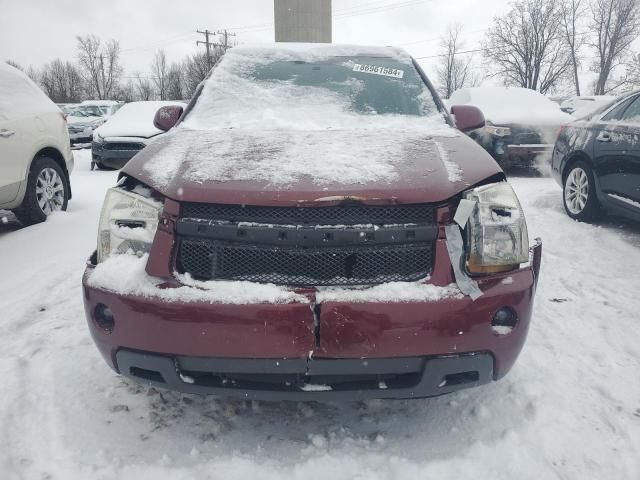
(223, 44)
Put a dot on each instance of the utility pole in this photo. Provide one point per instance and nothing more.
(208, 44)
(225, 38)
(224, 44)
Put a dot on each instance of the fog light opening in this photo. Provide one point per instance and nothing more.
(104, 317)
(504, 320)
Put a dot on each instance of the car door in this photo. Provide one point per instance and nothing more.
(617, 152)
(14, 136)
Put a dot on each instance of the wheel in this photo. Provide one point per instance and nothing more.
(47, 192)
(579, 193)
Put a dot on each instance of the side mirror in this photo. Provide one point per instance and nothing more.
(167, 117)
(467, 117)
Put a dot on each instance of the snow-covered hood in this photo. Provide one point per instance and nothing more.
(295, 167)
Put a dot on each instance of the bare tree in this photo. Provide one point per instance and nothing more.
(526, 47)
(31, 72)
(454, 72)
(175, 82)
(144, 88)
(127, 91)
(14, 65)
(616, 24)
(571, 12)
(101, 65)
(160, 70)
(62, 82)
(196, 68)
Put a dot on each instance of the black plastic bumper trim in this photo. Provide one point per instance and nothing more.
(437, 375)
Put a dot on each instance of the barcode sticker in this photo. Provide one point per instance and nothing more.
(378, 70)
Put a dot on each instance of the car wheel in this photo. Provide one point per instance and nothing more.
(579, 193)
(47, 192)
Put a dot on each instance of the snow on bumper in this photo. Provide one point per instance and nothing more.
(272, 324)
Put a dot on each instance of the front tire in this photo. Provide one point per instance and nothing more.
(47, 192)
(579, 193)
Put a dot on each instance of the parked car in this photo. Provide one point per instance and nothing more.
(295, 235)
(126, 133)
(597, 162)
(35, 157)
(585, 105)
(521, 124)
(107, 107)
(82, 120)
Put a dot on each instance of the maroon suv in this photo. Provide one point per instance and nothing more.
(314, 225)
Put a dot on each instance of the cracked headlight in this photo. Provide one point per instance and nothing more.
(128, 223)
(497, 238)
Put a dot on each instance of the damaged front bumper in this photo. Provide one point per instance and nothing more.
(310, 378)
(317, 351)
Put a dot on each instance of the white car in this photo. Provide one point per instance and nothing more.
(35, 153)
(126, 133)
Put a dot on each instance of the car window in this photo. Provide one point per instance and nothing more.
(632, 113)
(618, 111)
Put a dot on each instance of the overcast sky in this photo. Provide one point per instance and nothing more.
(33, 32)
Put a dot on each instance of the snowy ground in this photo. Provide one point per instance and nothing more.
(570, 409)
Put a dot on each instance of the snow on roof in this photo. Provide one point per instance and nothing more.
(586, 105)
(18, 93)
(511, 105)
(277, 131)
(134, 119)
(317, 51)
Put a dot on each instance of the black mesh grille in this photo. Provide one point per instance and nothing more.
(208, 259)
(342, 214)
(127, 146)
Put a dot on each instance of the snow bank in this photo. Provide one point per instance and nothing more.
(134, 119)
(512, 105)
(125, 274)
(277, 132)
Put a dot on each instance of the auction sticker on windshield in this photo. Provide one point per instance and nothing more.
(378, 70)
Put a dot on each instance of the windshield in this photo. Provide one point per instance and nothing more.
(303, 91)
(88, 111)
(369, 85)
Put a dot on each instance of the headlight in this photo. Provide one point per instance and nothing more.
(128, 223)
(496, 231)
(497, 131)
(97, 138)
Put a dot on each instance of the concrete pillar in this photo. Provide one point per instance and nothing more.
(302, 20)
